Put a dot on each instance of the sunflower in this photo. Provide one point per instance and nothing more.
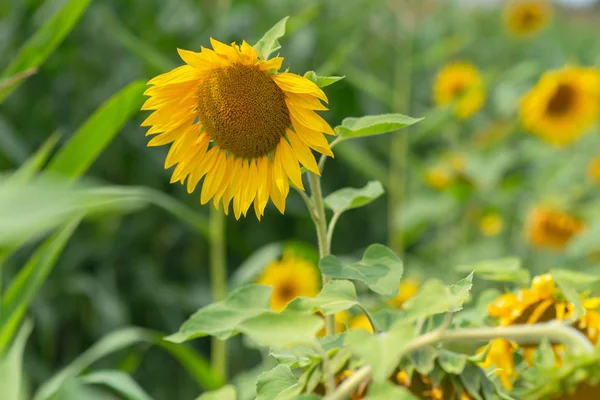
(491, 224)
(439, 178)
(561, 106)
(593, 169)
(459, 85)
(361, 322)
(233, 120)
(407, 290)
(525, 18)
(552, 228)
(290, 277)
(542, 302)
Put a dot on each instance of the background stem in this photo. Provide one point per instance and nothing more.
(218, 281)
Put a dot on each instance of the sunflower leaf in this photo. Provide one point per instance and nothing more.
(570, 293)
(227, 392)
(348, 198)
(278, 383)
(322, 81)
(387, 390)
(452, 363)
(380, 269)
(118, 381)
(507, 269)
(371, 125)
(282, 330)
(269, 42)
(336, 296)
(11, 364)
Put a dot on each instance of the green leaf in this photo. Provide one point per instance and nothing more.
(35, 163)
(381, 351)
(452, 363)
(570, 294)
(282, 330)
(348, 198)
(251, 269)
(225, 393)
(578, 280)
(43, 42)
(11, 365)
(322, 81)
(26, 284)
(435, 298)
(585, 242)
(336, 296)
(423, 360)
(371, 125)
(277, 384)
(499, 270)
(98, 131)
(269, 42)
(118, 381)
(387, 391)
(222, 319)
(380, 269)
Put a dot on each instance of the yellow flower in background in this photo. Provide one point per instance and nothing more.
(456, 161)
(408, 289)
(361, 322)
(233, 120)
(593, 169)
(500, 354)
(342, 321)
(290, 277)
(525, 18)
(552, 228)
(561, 106)
(491, 224)
(460, 85)
(439, 177)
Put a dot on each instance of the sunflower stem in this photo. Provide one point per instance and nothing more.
(524, 334)
(218, 281)
(320, 220)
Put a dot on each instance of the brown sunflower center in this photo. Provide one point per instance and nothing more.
(286, 292)
(562, 100)
(529, 18)
(243, 110)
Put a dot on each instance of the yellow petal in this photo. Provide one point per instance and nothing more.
(224, 50)
(305, 101)
(202, 168)
(228, 176)
(251, 187)
(249, 51)
(273, 63)
(289, 82)
(290, 163)
(214, 177)
(180, 74)
(309, 119)
(313, 139)
(302, 152)
(233, 186)
(213, 57)
(277, 196)
(196, 60)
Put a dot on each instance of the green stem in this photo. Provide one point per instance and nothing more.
(218, 281)
(523, 334)
(320, 220)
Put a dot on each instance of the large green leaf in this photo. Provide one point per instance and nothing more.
(43, 42)
(27, 283)
(387, 391)
(381, 351)
(11, 365)
(435, 298)
(282, 330)
(122, 339)
(502, 270)
(373, 125)
(34, 164)
(222, 319)
(98, 131)
(269, 42)
(348, 198)
(227, 392)
(336, 296)
(322, 81)
(118, 381)
(380, 269)
(277, 384)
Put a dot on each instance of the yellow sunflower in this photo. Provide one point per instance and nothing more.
(290, 277)
(460, 85)
(561, 106)
(361, 322)
(408, 289)
(552, 228)
(525, 18)
(439, 178)
(233, 120)
(491, 224)
(540, 303)
(593, 169)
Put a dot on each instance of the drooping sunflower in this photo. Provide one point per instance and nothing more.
(526, 18)
(542, 302)
(233, 120)
(460, 85)
(552, 228)
(593, 169)
(561, 106)
(290, 277)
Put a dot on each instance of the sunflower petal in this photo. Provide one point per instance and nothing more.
(290, 163)
(224, 50)
(309, 119)
(289, 82)
(273, 63)
(302, 152)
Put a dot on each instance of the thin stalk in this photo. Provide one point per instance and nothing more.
(523, 334)
(331, 226)
(320, 220)
(218, 282)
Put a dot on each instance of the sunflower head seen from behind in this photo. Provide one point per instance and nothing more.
(459, 85)
(231, 119)
(526, 18)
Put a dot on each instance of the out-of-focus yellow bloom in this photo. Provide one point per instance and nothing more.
(552, 228)
(526, 18)
(456, 161)
(342, 320)
(460, 85)
(593, 169)
(290, 277)
(361, 322)
(439, 178)
(561, 106)
(408, 289)
(500, 354)
(491, 224)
